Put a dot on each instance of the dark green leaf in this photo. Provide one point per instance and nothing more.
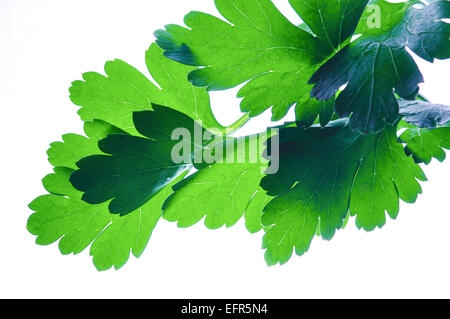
(377, 62)
(424, 114)
(135, 172)
(333, 22)
(323, 174)
(137, 168)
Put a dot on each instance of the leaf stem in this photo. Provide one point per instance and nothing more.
(238, 124)
(422, 98)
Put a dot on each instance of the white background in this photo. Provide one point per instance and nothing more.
(47, 44)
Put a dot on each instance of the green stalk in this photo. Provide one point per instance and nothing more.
(233, 127)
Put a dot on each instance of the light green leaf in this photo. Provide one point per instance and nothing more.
(63, 215)
(261, 46)
(76, 224)
(222, 192)
(385, 175)
(74, 147)
(425, 144)
(114, 98)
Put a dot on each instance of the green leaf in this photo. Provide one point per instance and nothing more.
(114, 98)
(316, 172)
(254, 210)
(76, 224)
(425, 144)
(307, 114)
(377, 62)
(137, 169)
(333, 22)
(426, 130)
(258, 45)
(323, 174)
(385, 175)
(223, 192)
(63, 215)
(74, 147)
(381, 16)
(424, 114)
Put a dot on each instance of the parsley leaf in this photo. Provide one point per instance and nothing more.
(333, 22)
(223, 192)
(377, 62)
(74, 147)
(110, 188)
(137, 168)
(323, 174)
(386, 175)
(114, 98)
(307, 114)
(426, 144)
(261, 46)
(424, 114)
(63, 215)
(427, 131)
